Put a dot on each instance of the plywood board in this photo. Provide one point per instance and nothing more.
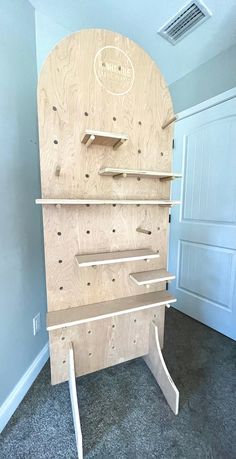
(108, 258)
(151, 277)
(101, 81)
(126, 338)
(98, 311)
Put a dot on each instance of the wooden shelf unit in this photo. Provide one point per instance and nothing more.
(97, 311)
(111, 139)
(151, 277)
(94, 322)
(86, 202)
(119, 172)
(115, 257)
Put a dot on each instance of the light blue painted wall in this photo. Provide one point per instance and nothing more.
(209, 79)
(22, 290)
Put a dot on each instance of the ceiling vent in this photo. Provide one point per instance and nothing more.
(185, 21)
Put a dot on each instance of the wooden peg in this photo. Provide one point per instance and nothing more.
(58, 171)
(119, 176)
(90, 140)
(170, 121)
(167, 179)
(58, 206)
(141, 230)
(167, 305)
(119, 143)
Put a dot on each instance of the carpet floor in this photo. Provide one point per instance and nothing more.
(123, 412)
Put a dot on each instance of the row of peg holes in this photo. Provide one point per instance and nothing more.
(114, 119)
(86, 113)
(113, 347)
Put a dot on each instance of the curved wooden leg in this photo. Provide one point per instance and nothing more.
(74, 402)
(155, 361)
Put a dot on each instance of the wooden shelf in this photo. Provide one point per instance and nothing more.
(118, 172)
(110, 139)
(98, 311)
(107, 258)
(151, 277)
(83, 202)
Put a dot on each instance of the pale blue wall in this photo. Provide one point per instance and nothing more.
(209, 79)
(21, 263)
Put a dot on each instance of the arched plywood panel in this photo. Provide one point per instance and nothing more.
(98, 80)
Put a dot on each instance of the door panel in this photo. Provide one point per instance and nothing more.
(203, 229)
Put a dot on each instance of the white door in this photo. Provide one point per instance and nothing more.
(203, 228)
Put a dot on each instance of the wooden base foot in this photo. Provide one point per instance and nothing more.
(155, 361)
(74, 402)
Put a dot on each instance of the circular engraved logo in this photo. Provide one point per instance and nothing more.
(114, 70)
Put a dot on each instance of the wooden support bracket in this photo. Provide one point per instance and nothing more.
(119, 176)
(170, 121)
(90, 140)
(167, 179)
(119, 143)
(74, 402)
(155, 361)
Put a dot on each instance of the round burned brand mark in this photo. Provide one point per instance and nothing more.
(114, 70)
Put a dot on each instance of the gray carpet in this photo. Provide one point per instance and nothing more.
(123, 412)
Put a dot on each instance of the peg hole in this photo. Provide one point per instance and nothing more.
(113, 347)
(134, 341)
(59, 233)
(158, 228)
(119, 68)
(88, 284)
(61, 288)
(104, 64)
(113, 326)
(87, 175)
(113, 280)
(54, 108)
(114, 118)
(113, 230)
(135, 320)
(85, 113)
(55, 141)
(140, 122)
(62, 338)
(154, 316)
(114, 205)
(138, 178)
(139, 151)
(59, 261)
(162, 154)
(88, 232)
(87, 205)
(90, 353)
(89, 332)
(64, 361)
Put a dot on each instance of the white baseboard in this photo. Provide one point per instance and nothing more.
(17, 394)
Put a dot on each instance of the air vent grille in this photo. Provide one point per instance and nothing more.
(189, 17)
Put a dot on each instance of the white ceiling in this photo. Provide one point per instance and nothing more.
(140, 20)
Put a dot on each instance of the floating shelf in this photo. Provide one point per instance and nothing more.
(98, 311)
(110, 139)
(107, 258)
(151, 277)
(118, 172)
(82, 202)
